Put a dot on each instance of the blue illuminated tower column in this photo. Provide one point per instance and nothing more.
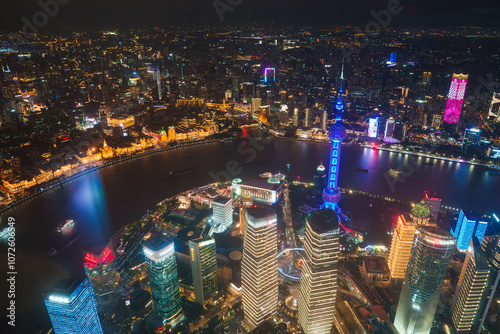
(337, 133)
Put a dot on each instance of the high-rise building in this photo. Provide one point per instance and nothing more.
(402, 239)
(426, 77)
(472, 288)
(432, 200)
(270, 76)
(455, 98)
(319, 179)
(436, 121)
(246, 202)
(259, 266)
(256, 102)
(102, 270)
(203, 268)
(307, 117)
(162, 273)
(324, 119)
(223, 213)
(432, 249)
(494, 110)
(72, 307)
(468, 224)
(171, 133)
(471, 137)
(296, 117)
(389, 128)
(318, 285)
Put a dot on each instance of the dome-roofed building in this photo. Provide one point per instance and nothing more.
(420, 213)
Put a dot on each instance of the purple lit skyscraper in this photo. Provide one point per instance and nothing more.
(455, 98)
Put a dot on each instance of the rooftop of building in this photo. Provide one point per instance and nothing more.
(323, 221)
(429, 194)
(64, 286)
(222, 199)
(261, 183)
(421, 210)
(259, 212)
(375, 265)
(157, 242)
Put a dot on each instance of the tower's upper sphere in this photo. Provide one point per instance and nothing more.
(337, 132)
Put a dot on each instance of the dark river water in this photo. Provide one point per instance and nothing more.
(115, 196)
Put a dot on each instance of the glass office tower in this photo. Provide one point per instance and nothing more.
(204, 268)
(162, 273)
(72, 308)
(468, 225)
(432, 249)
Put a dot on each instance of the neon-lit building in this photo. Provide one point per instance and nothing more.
(259, 266)
(473, 290)
(402, 239)
(390, 124)
(264, 191)
(455, 98)
(270, 75)
(337, 133)
(430, 256)
(468, 224)
(318, 285)
(494, 110)
(71, 305)
(471, 137)
(432, 200)
(162, 273)
(101, 268)
(373, 127)
(203, 268)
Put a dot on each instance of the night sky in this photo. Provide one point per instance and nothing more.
(134, 13)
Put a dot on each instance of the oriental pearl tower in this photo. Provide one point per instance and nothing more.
(337, 133)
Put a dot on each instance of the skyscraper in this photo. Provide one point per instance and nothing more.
(432, 200)
(101, 268)
(71, 305)
(432, 249)
(162, 272)
(494, 110)
(455, 98)
(402, 239)
(203, 268)
(318, 285)
(246, 202)
(390, 123)
(468, 224)
(470, 294)
(223, 213)
(259, 266)
(319, 179)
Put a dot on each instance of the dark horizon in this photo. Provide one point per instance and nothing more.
(93, 14)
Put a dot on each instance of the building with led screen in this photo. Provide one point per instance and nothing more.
(101, 268)
(259, 266)
(455, 98)
(432, 249)
(162, 273)
(71, 305)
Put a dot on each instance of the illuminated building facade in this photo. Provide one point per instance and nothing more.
(471, 137)
(203, 268)
(471, 291)
(71, 305)
(259, 266)
(264, 191)
(270, 76)
(318, 285)
(223, 213)
(455, 98)
(468, 224)
(494, 110)
(432, 200)
(390, 124)
(402, 239)
(122, 121)
(162, 272)
(319, 179)
(246, 202)
(100, 267)
(432, 249)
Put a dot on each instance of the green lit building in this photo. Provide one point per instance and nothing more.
(162, 272)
